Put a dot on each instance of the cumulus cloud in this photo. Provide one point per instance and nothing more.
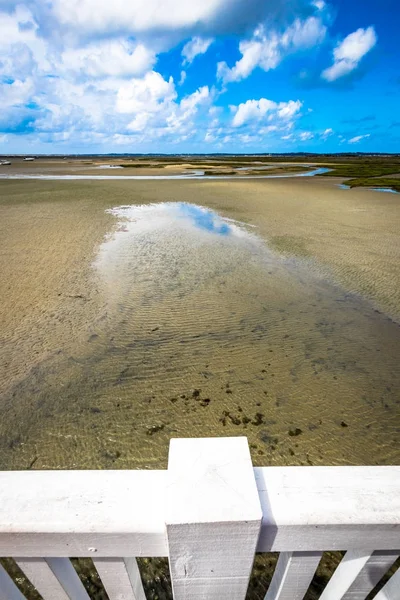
(194, 47)
(306, 135)
(267, 48)
(358, 138)
(182, 117)
(145, 94)
(200, 96)
(252, 124)
(177, 18)
(257, 110)
(348, 53)
(116, 58)
(22, 50)
(97, 91)
(85, 71)
(16, 93)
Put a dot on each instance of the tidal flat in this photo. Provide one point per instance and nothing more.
(133, 311)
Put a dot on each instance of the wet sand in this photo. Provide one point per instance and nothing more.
(123, 167)
(286, 332)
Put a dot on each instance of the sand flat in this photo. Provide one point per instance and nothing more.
(199, 335)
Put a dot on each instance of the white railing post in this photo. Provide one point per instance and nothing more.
(293, 575)
(357, 574)
(213, 518)
(120, 578)
(8, 589)
(390, 590)
(54, 578)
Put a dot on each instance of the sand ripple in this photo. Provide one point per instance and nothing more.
(190, 324)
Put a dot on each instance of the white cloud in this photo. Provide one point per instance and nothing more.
(183, 78)
(257, 52)
(84, 72)
(252, 110)
(196, 46)
(182, 117)
(145, 94)
(123, 140)
(73, 106)
(114, 58)
(267, 48)
(246, 138)
(191, 102)
(306, 135)
(328, 132)
(103, 93)
(304, 34)
(256, 110)
(209, 137)
(358, 138)
(253, 123)
(146, 107)
(136, 16)
(215, 111)
(355, 45)
(22, 51)
(348, 53)
(287, 110)
(177, 19)
(16, 93)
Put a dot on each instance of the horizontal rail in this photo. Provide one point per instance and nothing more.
(82, 513)
(329, 508)
(122, 513)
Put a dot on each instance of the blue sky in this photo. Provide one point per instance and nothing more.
(199, 76)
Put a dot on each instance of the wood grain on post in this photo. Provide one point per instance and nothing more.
(213, 518)
(293, 575)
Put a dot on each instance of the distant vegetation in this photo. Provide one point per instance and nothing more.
(141, 166)
(369, 171)
(381, 182)
(215, 172)
(364, 170)
(358, 170)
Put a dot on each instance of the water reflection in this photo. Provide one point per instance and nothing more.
(383, 189)
(343, 186)
(192, 326)
(171, 244)
(175, 215)
(195, 174)
(204, 218)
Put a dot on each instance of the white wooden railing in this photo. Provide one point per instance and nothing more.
(208, 513)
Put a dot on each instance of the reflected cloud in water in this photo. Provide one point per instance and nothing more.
(168, 216)
(204, 218)
(173, 228)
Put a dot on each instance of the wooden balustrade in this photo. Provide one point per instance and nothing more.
(209, 513)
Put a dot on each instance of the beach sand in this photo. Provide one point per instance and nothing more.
(293, 342)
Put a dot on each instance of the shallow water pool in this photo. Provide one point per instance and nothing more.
(203, 330)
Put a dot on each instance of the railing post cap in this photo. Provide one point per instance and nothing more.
(211, 480)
